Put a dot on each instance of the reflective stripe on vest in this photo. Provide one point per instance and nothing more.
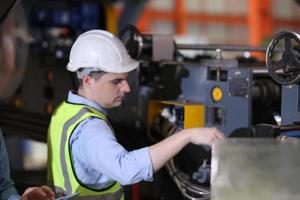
(63, 122)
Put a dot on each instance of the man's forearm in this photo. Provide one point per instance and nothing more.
(163, 151)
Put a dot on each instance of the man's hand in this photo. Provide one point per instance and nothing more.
(164, 150)
(38, 193)
(204, 135)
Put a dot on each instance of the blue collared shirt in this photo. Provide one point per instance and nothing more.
(7, 189)
(99, 159)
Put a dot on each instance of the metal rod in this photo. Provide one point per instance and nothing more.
(213, 47)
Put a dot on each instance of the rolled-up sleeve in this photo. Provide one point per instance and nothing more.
(98, 148)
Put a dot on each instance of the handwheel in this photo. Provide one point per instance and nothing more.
(286, 70)
(133, 41)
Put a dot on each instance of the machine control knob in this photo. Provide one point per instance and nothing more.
(216, 94)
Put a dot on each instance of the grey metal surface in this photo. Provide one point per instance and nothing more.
(14, 39)
(223, 47)
(163, 47)
(290, 104)
(234, 109)
(247, 169)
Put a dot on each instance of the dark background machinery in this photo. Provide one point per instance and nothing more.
(36, 37)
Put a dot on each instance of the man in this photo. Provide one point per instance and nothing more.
(7, 189)
(84, 155)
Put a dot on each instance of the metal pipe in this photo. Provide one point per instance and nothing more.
(219, 46)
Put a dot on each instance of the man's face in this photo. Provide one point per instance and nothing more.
(109, 90)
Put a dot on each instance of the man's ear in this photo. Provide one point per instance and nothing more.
(87, 81)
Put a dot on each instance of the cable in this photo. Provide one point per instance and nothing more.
(165, 126)
(189, 190)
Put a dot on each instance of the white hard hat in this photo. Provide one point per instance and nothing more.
(102, 51)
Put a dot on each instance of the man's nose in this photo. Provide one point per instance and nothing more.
(125, 86)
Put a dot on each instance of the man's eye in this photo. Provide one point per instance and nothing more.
(116, 82)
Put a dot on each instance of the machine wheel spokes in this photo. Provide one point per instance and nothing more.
(286, 70)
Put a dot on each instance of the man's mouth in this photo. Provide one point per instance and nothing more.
(120, 98)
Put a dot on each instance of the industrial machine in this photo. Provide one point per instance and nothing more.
(239, 96)
(247, 174)
(224, 87)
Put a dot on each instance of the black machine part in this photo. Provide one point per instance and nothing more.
(5, 7)
(264, 130)
(286, 70)
(146, 46)
(133, 41)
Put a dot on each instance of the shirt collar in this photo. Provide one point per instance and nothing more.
(77, 99)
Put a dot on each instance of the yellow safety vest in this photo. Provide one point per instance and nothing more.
(60, 163)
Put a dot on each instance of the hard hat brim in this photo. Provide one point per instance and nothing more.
(132, 65)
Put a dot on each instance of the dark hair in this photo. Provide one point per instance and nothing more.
(94, 74)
